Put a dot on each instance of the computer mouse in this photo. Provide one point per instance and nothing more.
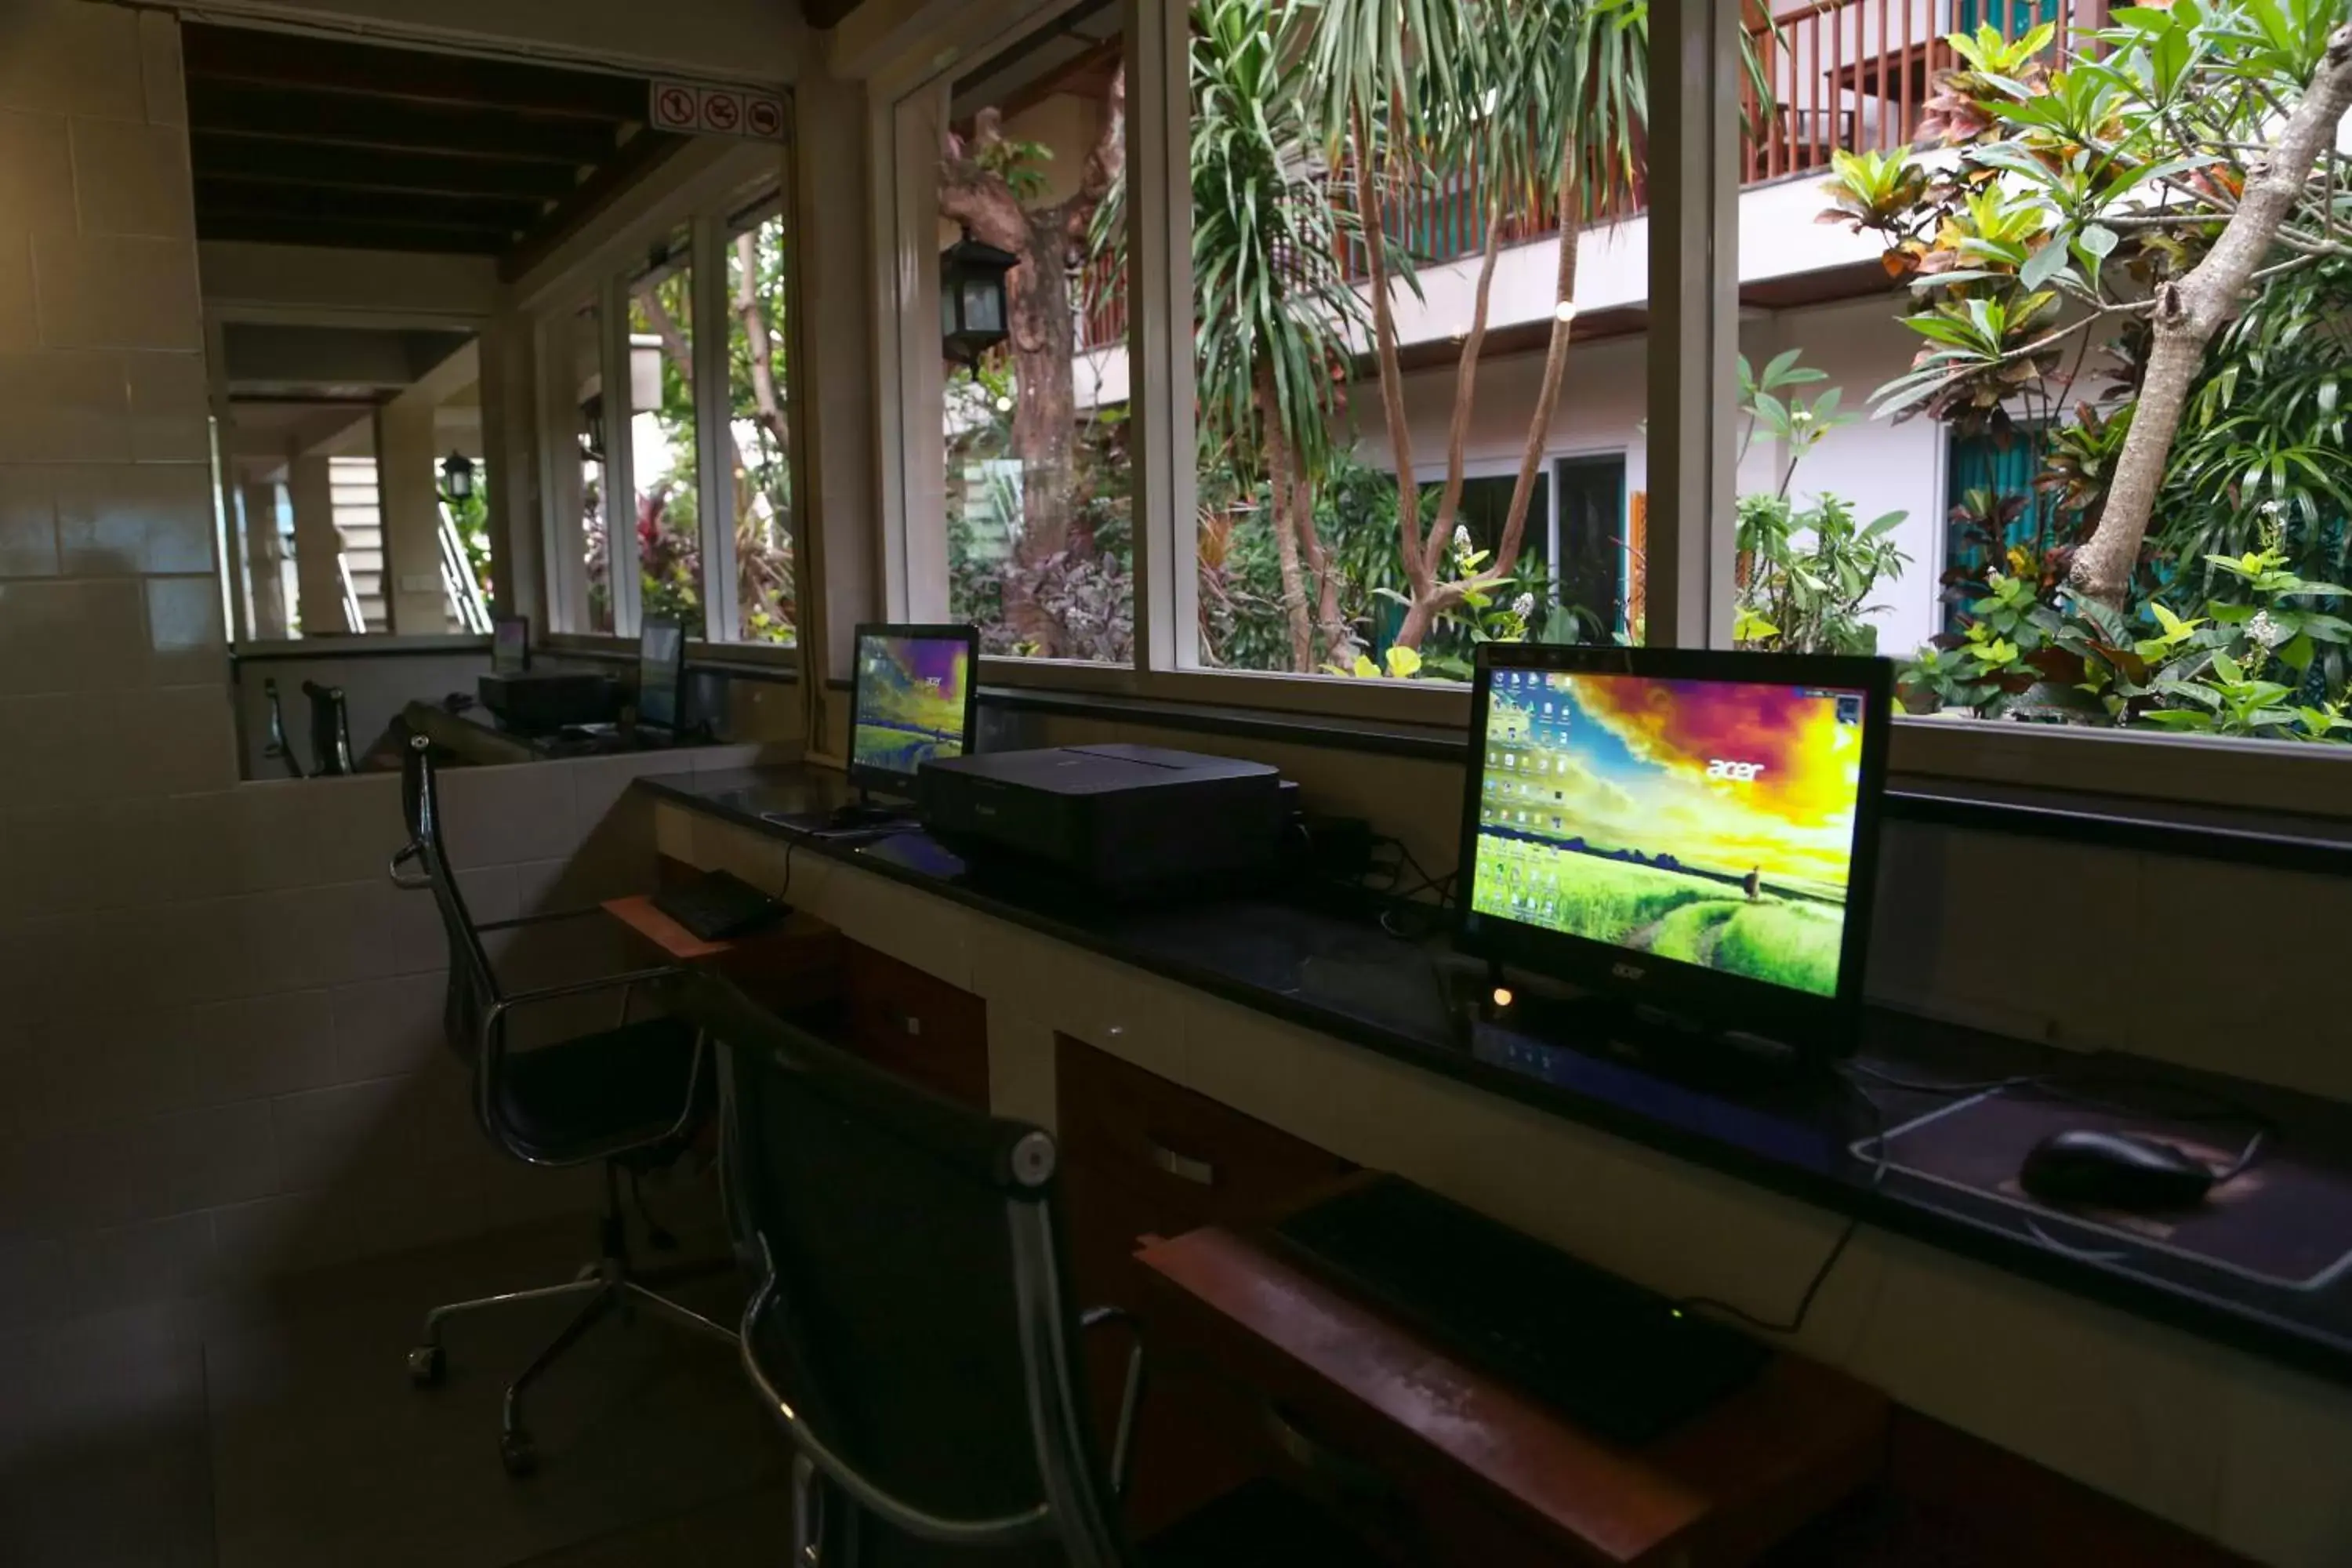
(2114, 1170)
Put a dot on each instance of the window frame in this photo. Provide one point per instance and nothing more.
(705, 189)
(1692, 181)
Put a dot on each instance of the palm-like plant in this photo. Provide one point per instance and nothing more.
(1271, 305)
(1548, 100)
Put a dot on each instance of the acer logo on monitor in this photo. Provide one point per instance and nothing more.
(1738, 773)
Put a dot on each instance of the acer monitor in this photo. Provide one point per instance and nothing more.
(1695, 832)
(912, 693)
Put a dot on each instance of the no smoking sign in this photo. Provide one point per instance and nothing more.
(695, 108)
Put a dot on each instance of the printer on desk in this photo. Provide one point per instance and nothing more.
(1121, 820)
(541, 701)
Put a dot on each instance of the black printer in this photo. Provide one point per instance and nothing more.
(1122, 820)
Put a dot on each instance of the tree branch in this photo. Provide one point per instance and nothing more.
(748, 311)
(1104, 165)
(2190, 312)
(1465, 381)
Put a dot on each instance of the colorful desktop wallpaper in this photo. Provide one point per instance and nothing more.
(1710, 822)
(910, 701)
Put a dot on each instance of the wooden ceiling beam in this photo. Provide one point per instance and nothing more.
(638, 158)
(264, 198)
(358, 168)
(351, 235)
(236, 110)
(294, 61)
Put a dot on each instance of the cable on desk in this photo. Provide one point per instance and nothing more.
(1795, 1322)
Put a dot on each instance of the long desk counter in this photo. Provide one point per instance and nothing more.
(2198, 1371)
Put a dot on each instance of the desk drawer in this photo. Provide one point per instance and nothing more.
(917, 1025)
(1185, 1160)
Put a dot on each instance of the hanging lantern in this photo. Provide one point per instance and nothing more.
(972, 315)
(458, 477)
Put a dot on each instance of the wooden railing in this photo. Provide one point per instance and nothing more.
(1840, 75)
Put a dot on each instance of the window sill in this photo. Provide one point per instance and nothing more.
(383, 646)
(2133, 820)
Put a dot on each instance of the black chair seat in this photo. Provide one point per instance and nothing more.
(591, 1092)
(1260, 1525)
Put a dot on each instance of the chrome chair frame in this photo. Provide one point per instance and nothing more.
(611, 1283)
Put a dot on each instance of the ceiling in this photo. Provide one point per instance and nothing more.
(298, 140)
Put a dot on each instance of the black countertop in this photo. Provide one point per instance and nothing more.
(1817, 1139)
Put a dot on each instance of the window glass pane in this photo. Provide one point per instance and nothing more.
(1819, 333)
(1032, 414)
(661, 434)
(758, 377)
(1318, 219)
(2079, 553)
(582, 348)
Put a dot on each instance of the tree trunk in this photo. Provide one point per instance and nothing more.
(1437, 598)
(1514, 522)
(1339, 639)
(1042, 333)
(1376, 266)
(1283, 506)
(1466, 394)
(2190, 312)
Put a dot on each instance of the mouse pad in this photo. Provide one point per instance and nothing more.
(2282, 1221)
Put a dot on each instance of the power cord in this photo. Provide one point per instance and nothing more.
(1795, 1322)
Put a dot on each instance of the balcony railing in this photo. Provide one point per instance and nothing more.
(1840, 75)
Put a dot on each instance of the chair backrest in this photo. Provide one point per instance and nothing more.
(277, 747)
(330, 731)
(913, 1315)
(473, 986)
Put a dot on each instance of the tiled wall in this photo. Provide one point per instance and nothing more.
(220, 1044)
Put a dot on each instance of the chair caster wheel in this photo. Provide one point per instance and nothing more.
(515, 1451)
(425, 1366)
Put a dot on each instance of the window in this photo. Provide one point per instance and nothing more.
(2109, 566)
(758, 368)
(662, 433)
(1021, 452)
(670, 385)
(578, 350)
(1448, 372)
(1356, 253)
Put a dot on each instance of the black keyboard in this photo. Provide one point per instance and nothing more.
(1618, 1360)
(720, 906)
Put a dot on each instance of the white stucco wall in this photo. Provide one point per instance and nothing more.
(1875, 466)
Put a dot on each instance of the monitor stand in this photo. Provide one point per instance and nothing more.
(1658, 1040)
(864, 812)
(858, 819)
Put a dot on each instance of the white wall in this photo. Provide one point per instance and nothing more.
(1875, 465)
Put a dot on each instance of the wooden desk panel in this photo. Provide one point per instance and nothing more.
(1717, 1491)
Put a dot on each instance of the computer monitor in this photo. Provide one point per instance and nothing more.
(1697, 831)
(661, 670)
(510, 645)
(912, 694)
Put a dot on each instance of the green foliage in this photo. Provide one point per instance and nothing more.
(1020, 164)
(1270, 302)
(1803, 572)
(2076, 179)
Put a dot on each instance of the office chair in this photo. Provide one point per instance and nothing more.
(631, 1096)
(276, 748)
(912, 1333)
(330, 731)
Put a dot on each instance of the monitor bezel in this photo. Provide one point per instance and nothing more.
(500, 624)
(1810, 1023)
(677, 684)
(867, 775)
